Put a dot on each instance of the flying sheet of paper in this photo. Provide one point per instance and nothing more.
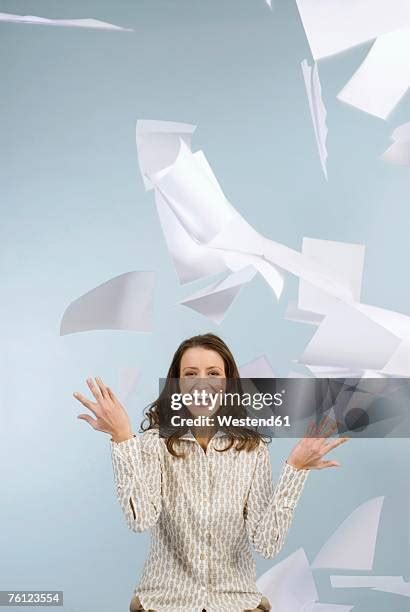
(189, 187)
(399, 152)
(395, 322)
(289, 584)
(353, 544)
(158, 144)
(349, 339)
(124, 302)
(192, 260)
(329, 372)
(293, 313)
(317, 109)
(345, 262)
(258, 368)
(239, 235)
(384, 76)
(294, 374)
(269, 3)
(387, 584)
(399, 362)
(333, 26)
(197, 201)
(213, 301)
(273, 275)
(74, 23)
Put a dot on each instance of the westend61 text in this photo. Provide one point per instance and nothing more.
(230, 421)
(211, 400)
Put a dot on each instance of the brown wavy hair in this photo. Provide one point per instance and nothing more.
(239, 437)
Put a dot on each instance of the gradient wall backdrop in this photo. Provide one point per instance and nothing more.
(74, 213)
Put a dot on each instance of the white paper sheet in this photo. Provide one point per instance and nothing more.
(289, 584)
(239, 235)
(294, 374)
(399, 152)
(333, 26)
(384, 76)
(333, 372)
(192, 260)
(158, 144)
(353, 544)
(274, 276)
(124, 302)
(395, 322)
(345, 262)
(317, 109)
(73, 23)
(197, 201)
(399, 362)
(349, 339)
(293, 313)
(189, 188)
(402, 132)
(213, 301)
(387, 584)
(258, 368)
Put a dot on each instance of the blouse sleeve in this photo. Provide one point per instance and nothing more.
(269, 511)
(137, 476)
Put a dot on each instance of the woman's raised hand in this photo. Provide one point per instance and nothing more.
(111, 416)
(308, 453)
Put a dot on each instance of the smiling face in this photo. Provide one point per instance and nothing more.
(202, 369)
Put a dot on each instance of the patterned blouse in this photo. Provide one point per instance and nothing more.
(204, 512)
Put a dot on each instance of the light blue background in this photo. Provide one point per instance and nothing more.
(74, 213)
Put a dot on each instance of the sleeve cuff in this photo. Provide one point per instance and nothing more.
(124, 441)
(291, 469)
(290, 484)
(128, 452)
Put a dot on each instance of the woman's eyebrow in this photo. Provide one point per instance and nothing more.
(208, 368)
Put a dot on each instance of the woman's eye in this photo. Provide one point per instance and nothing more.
(214, 373)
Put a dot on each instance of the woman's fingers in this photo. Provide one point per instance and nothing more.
(102, 388)
(112, 395)
(110, 415)
(86, 402)
(89, 419)
(310, 431)
(323, 429)
(325, 464)
(94, 389)
(330, 445)
(327, 426)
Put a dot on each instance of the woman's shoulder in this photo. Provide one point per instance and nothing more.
(150, 439)
(152, 431)
(263, 446)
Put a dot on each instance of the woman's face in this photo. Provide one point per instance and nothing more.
(203, 370)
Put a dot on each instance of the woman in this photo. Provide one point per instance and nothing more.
(206, 493)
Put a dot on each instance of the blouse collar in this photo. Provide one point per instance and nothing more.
(190, 436)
